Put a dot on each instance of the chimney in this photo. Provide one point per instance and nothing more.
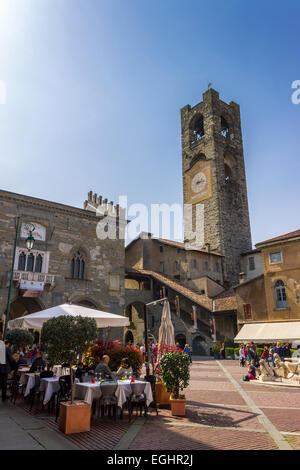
(226, 283)
(242, 277)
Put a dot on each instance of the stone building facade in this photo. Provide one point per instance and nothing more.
(273, 295)
(202, 309)
(214, 179)
(68, 262)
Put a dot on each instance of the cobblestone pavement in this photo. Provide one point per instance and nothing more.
(219, 415)
(222, 413)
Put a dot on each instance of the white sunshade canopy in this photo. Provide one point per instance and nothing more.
(269, 332)
(36, 320)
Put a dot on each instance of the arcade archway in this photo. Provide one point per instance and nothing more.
(22, 306)
(181, 339)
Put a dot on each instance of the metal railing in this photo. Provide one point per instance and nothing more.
(30, 276)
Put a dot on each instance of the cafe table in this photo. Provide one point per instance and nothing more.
(91, 391)
(32, 380)
(50, 386)
(22, 371)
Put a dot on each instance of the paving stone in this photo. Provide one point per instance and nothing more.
(195, 438)
(284, 419)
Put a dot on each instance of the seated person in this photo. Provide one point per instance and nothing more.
(22, 361)
(38, 362)
(251, 372)
(12, 373)
(102, 368)
(92, 368)
(125, 369)
(80, 371)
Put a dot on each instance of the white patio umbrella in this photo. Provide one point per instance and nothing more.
(36, 320)
(166, 330)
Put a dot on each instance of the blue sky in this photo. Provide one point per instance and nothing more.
(94, 90)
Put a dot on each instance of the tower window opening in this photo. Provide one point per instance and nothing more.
(228, 172)
(224, 127)
(197, 130)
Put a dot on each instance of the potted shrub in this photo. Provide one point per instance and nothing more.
(20, 338)
(216, 349)
(65, 338)
(162, 396)
(175, 374)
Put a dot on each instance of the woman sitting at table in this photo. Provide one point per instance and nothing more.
(125, 369)
(38, 362)
(80, 371)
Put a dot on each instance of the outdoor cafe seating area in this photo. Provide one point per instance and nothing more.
(44, 390)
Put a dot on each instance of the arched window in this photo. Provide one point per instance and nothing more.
(30, 262)
(224, 127)
(229, 165)
(38, 264)
(77, 266)
(228, 172)
(22, 262)
(197, 128)
(280, 294)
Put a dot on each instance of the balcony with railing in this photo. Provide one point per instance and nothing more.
(31, 276)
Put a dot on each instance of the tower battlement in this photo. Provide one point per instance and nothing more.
(102, 207)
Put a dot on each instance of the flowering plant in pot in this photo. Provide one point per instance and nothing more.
(175, 374)
(66, 338)
(162, 395)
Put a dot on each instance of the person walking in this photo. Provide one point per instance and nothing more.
(286, 350)
(279, 350)
(271, 355)
(187, 351)
(242, 354)
(222, 351)
(265, 353)
(7, 364)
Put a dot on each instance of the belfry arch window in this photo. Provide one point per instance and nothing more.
(280, 294)
(229, 165)
(197, 129)
(224, 127)
(77, 266)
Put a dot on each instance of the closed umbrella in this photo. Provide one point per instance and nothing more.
(166, 330)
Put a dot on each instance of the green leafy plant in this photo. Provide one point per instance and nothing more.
(216, 347)
(175, 372)
(116, 352)
(229, 352)
(20, 338)
(65, 338)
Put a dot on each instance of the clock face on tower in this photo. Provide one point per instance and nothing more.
(198, 182)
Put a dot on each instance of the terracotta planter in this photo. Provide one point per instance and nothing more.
(74, 417)
(161, 394)
(178, 406)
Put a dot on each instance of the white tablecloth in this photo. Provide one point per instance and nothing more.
(49, 386)
(31, 381)
(22, 372)
(89, 392)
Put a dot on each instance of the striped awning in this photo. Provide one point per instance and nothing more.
(269, 332)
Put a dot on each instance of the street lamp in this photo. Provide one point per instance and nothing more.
(30, 238)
